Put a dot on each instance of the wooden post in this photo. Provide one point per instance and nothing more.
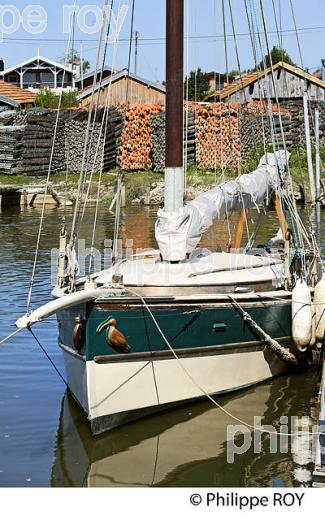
(240, 228)
(62, 257)
(309, 154)
(24, 198)
(147, 197)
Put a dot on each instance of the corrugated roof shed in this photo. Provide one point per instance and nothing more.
(17, 95)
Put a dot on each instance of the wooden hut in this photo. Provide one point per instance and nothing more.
(123, 87)
(291, 83)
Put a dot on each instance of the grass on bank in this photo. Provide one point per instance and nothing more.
(140, 181)
(136, 180)
(298, 162)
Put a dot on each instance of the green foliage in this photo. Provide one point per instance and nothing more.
(198, 85)
(48, 99)
(277, 54)
(254, 158)
(233, 74)
(73, 58)
(298, 161)
(86, 65)
(69, 99)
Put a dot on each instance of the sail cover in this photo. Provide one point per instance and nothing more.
(178, 234)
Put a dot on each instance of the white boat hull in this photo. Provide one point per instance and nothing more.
(115, 393)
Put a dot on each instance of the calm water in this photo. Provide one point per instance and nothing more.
(44, 438)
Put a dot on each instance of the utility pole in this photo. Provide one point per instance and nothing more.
(309, 154)
(137, 34)
(81, 65)
(323, 70)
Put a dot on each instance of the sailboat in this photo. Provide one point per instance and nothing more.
(181, 323)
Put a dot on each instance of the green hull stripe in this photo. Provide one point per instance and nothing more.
(185, 329)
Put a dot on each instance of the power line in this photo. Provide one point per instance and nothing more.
(306, 30)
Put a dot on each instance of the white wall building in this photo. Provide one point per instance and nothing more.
(40, 72)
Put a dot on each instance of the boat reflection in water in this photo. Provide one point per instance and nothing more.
(187, 446)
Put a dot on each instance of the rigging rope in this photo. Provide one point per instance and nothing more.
(278, 25)
(104, 121)
(130, 52)
(227, 66)
(215, 89)
(259, 78)
(90, 144)
(223, 163)
(236, 48)
(105, 118)
(302, 65)
(39, 235)
(274, 85)
(87, 135)
(186, 108)
(121, 176)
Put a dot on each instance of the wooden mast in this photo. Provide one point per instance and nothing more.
(174, 173)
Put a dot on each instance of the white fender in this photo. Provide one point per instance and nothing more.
(319, 302)
(313, 326)
(301, 316)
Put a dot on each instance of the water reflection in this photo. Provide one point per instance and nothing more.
(184, 447)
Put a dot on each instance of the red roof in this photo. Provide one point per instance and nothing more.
(21, 96)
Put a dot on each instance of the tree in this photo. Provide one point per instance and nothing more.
(85, 65)
(235, 74)
(277, 54)
(198, 85)
(74, 60)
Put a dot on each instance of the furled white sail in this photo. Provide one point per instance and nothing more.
(178, 234)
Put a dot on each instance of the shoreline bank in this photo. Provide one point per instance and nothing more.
(142, 188)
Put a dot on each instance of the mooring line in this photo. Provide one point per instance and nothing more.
(48, 356)
(283, 354)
